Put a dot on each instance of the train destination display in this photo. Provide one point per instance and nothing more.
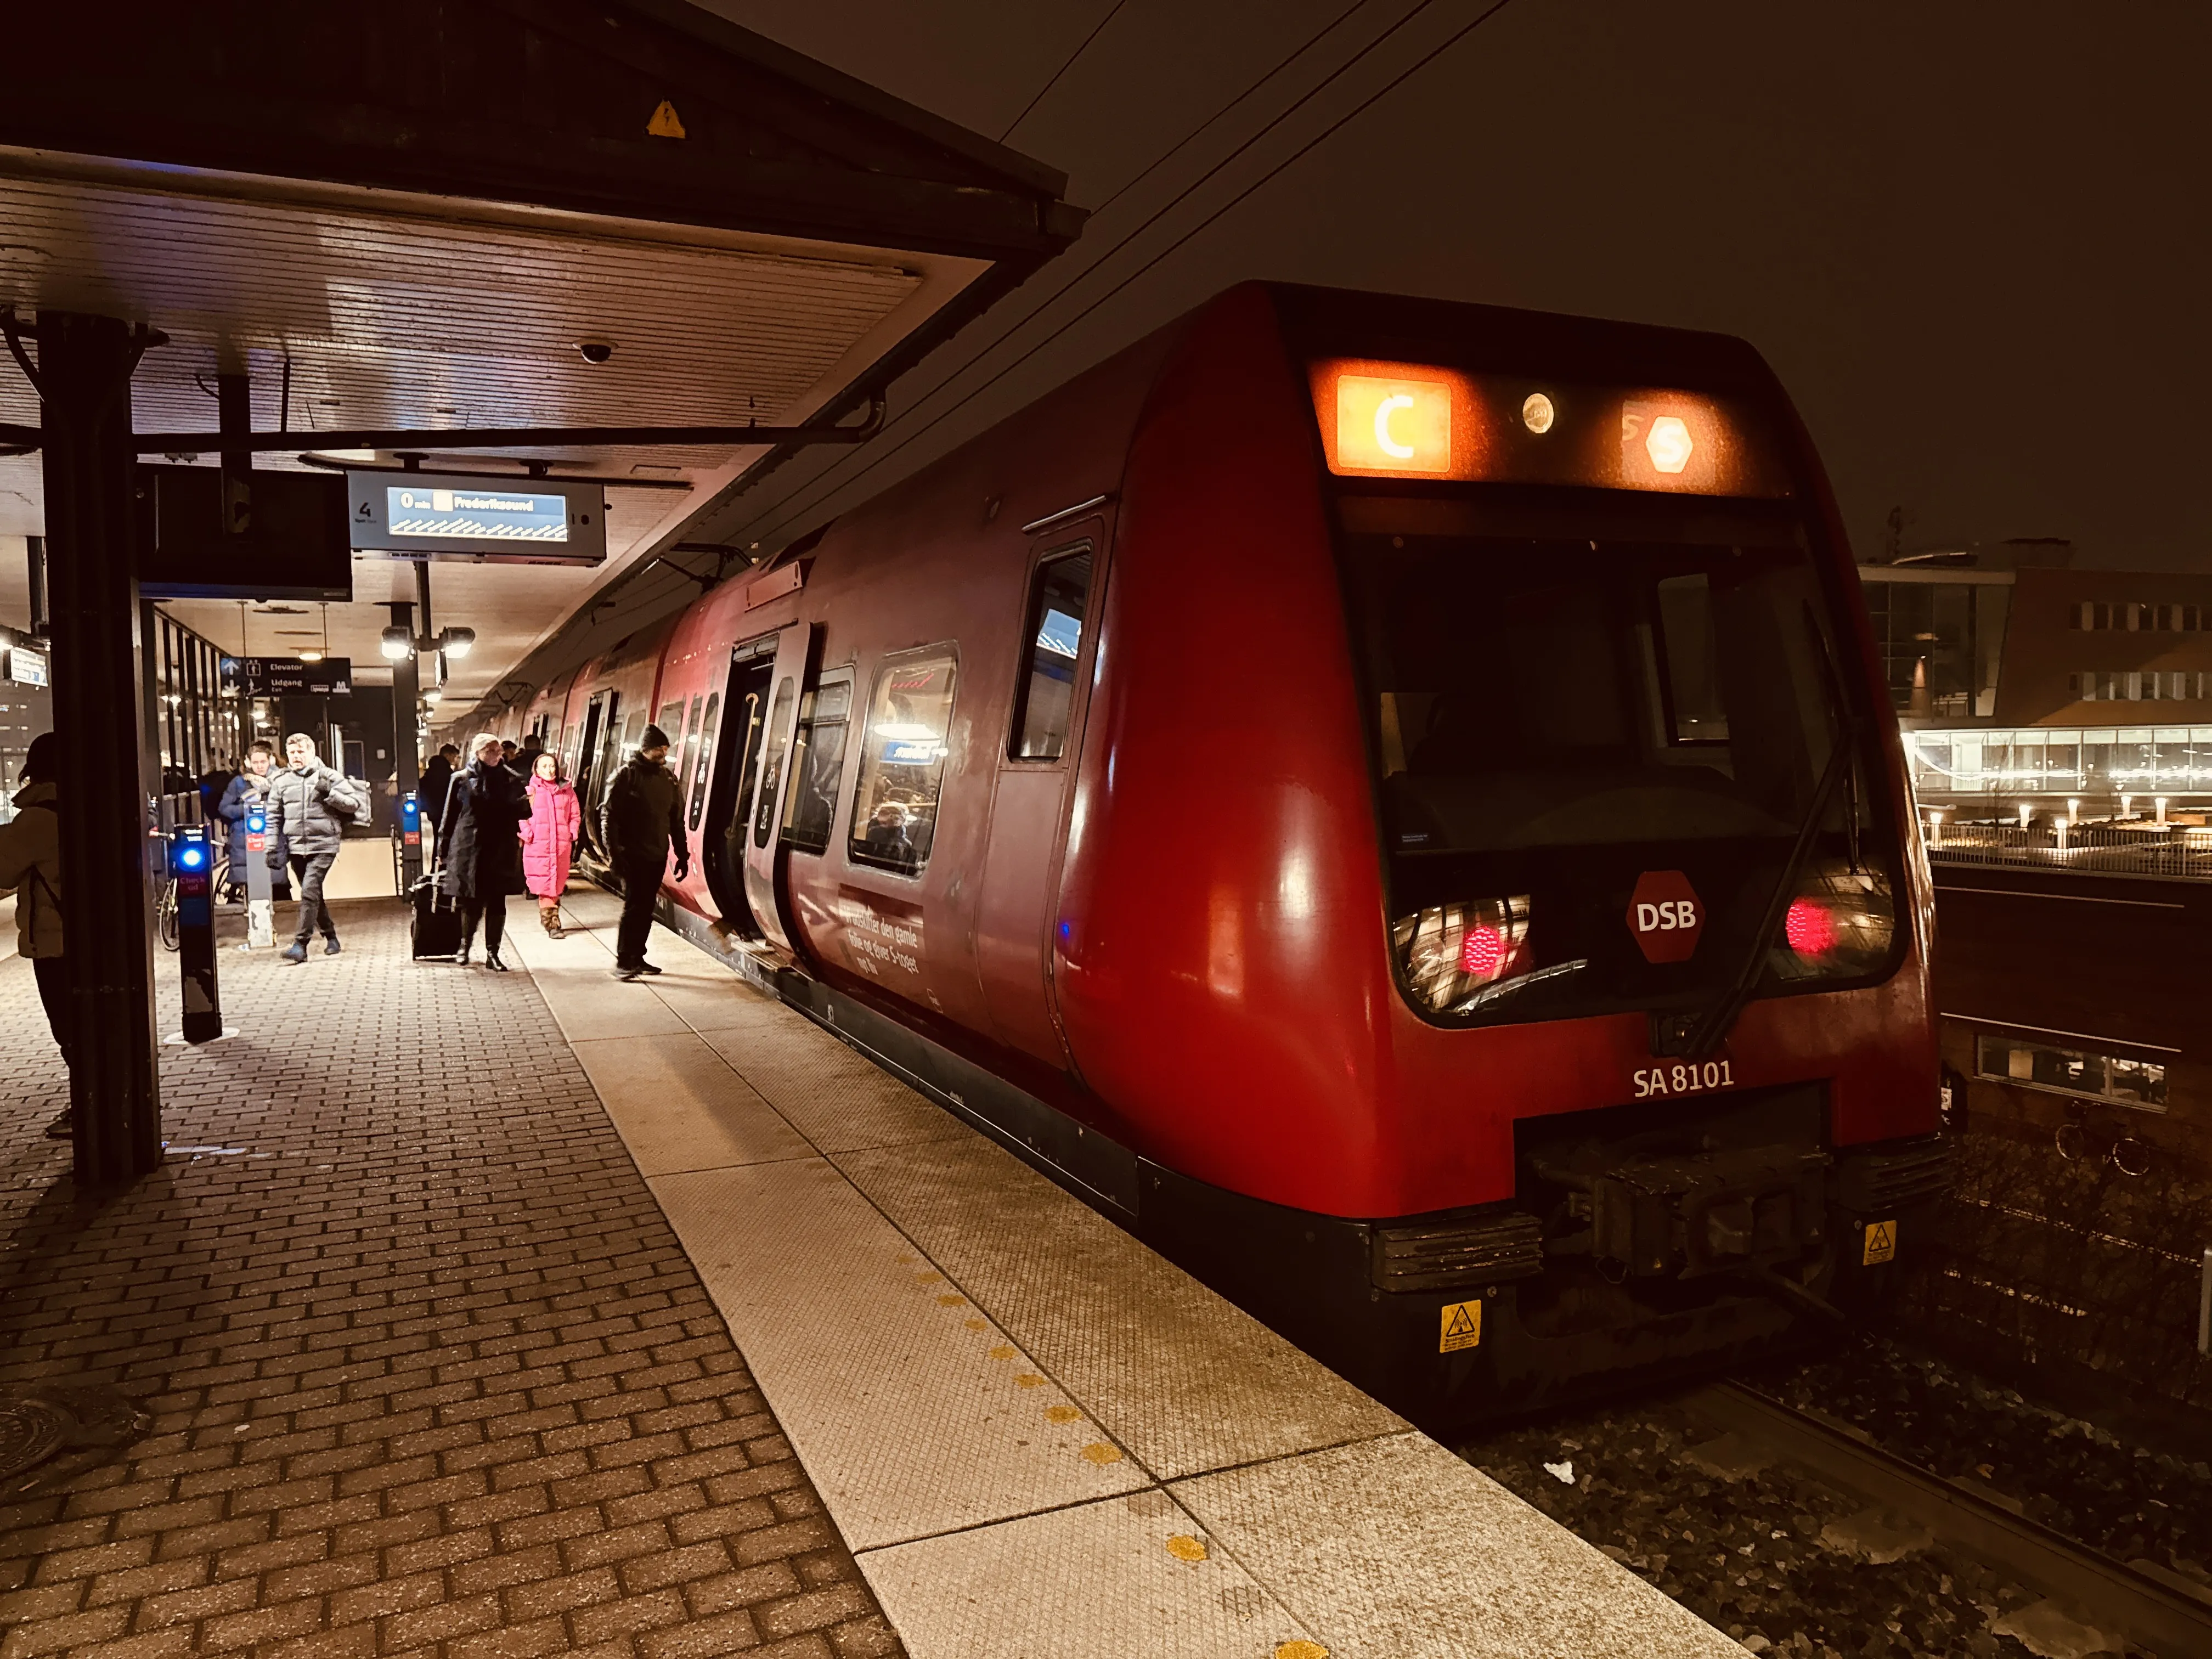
(503, 520)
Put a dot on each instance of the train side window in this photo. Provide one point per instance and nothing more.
(672, 722)
(903, 754)
(1060, 596)
(688, 753)
(817, 758)
(706, 765)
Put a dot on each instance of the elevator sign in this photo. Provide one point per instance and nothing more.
(491, 519)
(1665, 916)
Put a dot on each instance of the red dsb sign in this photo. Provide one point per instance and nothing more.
(1665, 916)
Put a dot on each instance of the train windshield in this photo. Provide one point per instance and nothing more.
(1558, 720)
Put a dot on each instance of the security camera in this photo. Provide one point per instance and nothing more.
(595, 351)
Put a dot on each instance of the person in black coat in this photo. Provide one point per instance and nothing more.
(437, 778)
(479, 855)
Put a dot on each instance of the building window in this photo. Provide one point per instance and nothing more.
(2084, 1073)
(903, 754)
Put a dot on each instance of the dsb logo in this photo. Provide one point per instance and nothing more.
(1664, 916)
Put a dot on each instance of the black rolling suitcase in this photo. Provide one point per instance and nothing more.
(437, 924)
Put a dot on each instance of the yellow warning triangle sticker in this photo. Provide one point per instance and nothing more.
(1881, 1242)
(1462, 1327)
(666, 122)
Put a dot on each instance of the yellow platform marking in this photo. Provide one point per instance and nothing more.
(929, 1279)
(952, 1301)
(666, 122)
(977, 1324)
(1184, 1547)
(1101, 1454)
(1028, 1380)
(1061, 1413)
(1004, 1350)
(1461, 1327)
(906, 1260)
(1301, 1650)
(1880, 1244)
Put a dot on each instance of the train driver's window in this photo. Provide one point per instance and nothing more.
(1045, 702)
(1695, 710)
(817, 758)
(707, 765)
(904, 747)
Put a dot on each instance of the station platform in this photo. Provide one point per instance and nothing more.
(540, 1313)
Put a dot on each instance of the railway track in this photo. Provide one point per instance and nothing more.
(2153, 1609)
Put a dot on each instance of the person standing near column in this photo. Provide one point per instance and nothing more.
(640, 820)
(311, 805)
(479, 854)
(31, 868)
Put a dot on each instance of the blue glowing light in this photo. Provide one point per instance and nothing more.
(190, 857)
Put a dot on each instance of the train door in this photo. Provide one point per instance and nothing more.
(763, 844)
(1015, 910)
(726, 778)
(581, 765)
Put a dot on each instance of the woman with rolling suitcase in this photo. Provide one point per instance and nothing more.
(479, 853)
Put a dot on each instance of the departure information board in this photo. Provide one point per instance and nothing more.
(506, 520)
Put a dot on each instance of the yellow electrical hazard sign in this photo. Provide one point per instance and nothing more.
(1881, 1242)
(1462, 1327)
(666, 122)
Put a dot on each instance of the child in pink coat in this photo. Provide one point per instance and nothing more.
(548, 837)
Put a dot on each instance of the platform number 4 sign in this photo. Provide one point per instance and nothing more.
(1462, 1327)
(1881, 1242)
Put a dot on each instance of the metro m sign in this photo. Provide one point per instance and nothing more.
(1665, 916)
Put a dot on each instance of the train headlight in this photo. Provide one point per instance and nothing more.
(1838, 927)
(1452, 953)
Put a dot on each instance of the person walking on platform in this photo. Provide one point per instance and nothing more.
(508, 751)
(310, 804)
(640, 818)
(31, 868)
(479, 853)
(249, 789)
(548, 837)
(437, 778)
(525, 758)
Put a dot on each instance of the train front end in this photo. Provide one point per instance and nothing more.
(1651, 1087)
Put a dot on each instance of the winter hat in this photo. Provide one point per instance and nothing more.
(42, 761)
(654, 737)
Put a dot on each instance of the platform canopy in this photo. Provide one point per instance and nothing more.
(414, 215)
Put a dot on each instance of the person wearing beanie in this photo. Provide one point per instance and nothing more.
(642, 818)
(31, 868)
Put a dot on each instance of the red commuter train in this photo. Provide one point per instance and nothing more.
(1392, 800)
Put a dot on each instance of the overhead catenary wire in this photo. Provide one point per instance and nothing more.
(876, 457)
(873, 457)
(1097, 29)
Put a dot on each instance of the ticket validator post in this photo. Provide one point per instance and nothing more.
(261, 908)
(191, 862)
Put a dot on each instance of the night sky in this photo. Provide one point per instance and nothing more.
(1971, 238)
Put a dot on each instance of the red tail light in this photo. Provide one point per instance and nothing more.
(1838, 927)
(1450, 953)
(1810, 927)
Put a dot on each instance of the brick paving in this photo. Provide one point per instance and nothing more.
(427, 1373)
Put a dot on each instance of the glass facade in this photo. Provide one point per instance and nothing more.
(2096, 761)
(1940, 643)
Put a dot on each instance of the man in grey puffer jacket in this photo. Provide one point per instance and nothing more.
(311, 805)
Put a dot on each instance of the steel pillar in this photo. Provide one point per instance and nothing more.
(85, 365)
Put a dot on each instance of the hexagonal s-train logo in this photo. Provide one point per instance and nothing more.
(1665, 916)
